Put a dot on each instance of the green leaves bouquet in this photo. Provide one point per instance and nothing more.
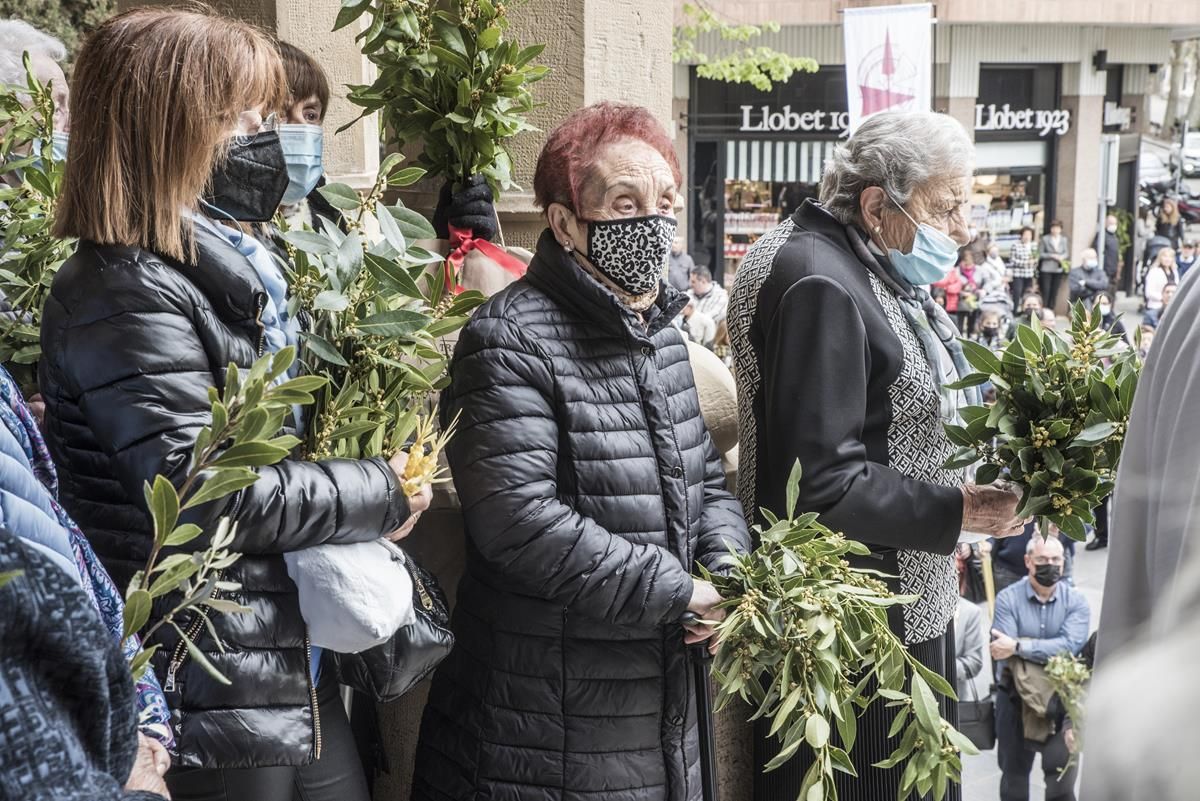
(1058, 422)
(806, 643)
(377, 312)
(450, 79)
(30, 254)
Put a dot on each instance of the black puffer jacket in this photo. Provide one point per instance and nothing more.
(132, 342)
(590, 487)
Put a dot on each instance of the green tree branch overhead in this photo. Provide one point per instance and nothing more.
(761, 67)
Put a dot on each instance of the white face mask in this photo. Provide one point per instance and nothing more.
(1112, 229)
(1104, 309)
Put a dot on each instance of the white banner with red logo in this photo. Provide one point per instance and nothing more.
(889, 60)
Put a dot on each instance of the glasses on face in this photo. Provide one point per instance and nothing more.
(251, 123)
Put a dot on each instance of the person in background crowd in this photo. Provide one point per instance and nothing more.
(992, 279)
(1143, 229)
(1108, 244)
(1186, 258)
(46, 53)
(953, 285)
(1022, 266)
(1049, 319)
(69, 728)
(830, 321)
(968, 301)
(1170, 224)
(1087, 279)
(968, 646)
(1008, 554)
(1108, 315)
(1100, 534)
(570, 552)
(991, 334)
(1031, 307)
(1163, 272)
(679, 271)
(1153, 317)
(709, 297)
(177, 133)
(698, 326)
(978, 246)
(1053, 263)
(1037, 618)
(1146, 333)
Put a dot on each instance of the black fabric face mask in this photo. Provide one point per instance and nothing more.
(249, 184)
(1047, 575)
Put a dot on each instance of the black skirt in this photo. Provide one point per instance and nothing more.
(872, 744)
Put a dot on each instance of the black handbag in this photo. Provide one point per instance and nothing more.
(977, 718)
(391, 669)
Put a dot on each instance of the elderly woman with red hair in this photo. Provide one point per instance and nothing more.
(590, 490)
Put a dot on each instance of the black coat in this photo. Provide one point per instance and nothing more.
(68, 729)
(131, 343)
(590, 487)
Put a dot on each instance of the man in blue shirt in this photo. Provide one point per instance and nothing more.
(1037, 618)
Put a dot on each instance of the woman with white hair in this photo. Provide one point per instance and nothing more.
(18, 37)
(843, 362)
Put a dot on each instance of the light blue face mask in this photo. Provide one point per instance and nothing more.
(58, 147)
(932, 258)
(302, 151)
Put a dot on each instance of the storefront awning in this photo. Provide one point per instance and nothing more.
(790, 162)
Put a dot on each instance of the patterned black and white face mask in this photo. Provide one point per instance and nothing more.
(631, 251)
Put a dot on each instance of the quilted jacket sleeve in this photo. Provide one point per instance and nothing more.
(504, 458)
(722, 522)
(141, 378)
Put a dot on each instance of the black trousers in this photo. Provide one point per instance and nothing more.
(1016, 757)
(1102, 522)
(872, 745)
(1048, 285)
(336, 776)
(1018, 288)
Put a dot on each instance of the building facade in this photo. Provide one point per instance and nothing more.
(1038, 85)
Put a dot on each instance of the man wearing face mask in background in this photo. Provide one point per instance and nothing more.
(1037, 618)
(1088, 279)
(18, 37)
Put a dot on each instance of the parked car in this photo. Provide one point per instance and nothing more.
(1151, 169)
(1188, 154)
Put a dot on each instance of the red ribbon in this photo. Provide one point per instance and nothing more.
(462, 242)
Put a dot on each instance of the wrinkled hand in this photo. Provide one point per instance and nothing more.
(416, 503)
(1069, 738)
(471, 206)
(37, 405)
(704, 600)
(985, 547)
(1002, 646)
(991, 510)
(149, 767)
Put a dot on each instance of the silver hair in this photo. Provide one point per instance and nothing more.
(899, 152)
(18, 37)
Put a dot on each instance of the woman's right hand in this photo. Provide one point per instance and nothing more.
(991, 510)
(416, 503)
(704, 601)
(149, 767)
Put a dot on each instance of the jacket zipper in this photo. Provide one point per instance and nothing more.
(260, 299)
(312, 694)
(180, 652)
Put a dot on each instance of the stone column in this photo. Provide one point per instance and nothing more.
(1078, 172)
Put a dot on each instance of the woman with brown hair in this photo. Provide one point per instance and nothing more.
(1170, 223)
(175, 131)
